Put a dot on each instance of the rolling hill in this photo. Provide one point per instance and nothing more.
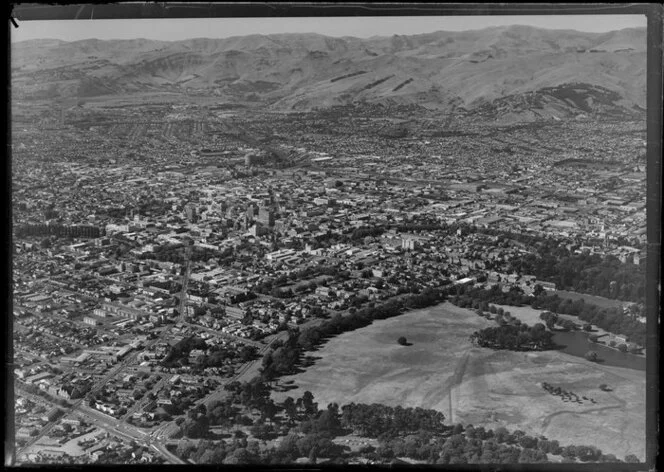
(516, 72)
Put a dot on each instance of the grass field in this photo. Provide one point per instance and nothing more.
(443, 371)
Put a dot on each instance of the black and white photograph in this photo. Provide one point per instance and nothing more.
(309, 240)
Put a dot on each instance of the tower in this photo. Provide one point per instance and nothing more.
(265, 216)
(190, 211)
(251, 211)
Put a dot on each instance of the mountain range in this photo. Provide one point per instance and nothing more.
(527, 72)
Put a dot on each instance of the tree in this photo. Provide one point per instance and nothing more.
(289, 444)
(312, 455)
(588, 453)
(531, 456)
(184, 449)
(403, 341)
(308, 402)
(328, 421)
(260, 430)
(528, 442)
(632, 459)
(290, 409)
(591, 356)
(568, 325)
(269, 409)
(501, 434)
(238, 456)
(622, 347)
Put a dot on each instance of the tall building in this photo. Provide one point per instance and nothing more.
(251, 211)
(190, 211)
(265, 216)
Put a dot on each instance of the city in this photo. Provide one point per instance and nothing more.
(181, 268)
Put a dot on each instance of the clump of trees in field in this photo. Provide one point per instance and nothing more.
(612, 320)
(514, 338)
(377, 420)
(591, 356)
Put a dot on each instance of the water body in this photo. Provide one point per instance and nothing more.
(576, 343)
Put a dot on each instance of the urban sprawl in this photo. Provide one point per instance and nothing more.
(161, 251)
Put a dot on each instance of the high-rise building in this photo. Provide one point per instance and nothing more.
(265, 216)
(190, 211)
(251, 211)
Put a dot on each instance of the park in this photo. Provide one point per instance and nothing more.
(442, 370)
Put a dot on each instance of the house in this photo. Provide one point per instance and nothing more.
(548, 286)
(324, 291)
(620, 339)
(51, 415)
(53, 453)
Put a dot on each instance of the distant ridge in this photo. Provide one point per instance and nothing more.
(466, 70)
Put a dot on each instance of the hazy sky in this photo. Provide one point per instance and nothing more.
(363, 27)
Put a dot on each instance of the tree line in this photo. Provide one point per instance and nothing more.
(588, 273)
(612, 320)
(377, 420)
(308, 431)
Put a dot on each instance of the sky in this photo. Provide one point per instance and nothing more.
(362, 27)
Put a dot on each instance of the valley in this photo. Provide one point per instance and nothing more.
(280, 248)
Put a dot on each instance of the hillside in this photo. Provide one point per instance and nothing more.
(515, 72)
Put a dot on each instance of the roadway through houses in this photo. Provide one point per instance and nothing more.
(245, 373)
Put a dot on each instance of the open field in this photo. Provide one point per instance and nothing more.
(488, 388)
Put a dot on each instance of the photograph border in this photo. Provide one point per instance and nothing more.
(28, 12)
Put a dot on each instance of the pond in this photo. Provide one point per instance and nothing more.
(576, 343)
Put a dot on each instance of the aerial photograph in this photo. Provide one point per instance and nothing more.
(330, 240)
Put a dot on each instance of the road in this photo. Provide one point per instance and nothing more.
(112, 373)
(143, 401)
(109, 423)
(245, 373)
(114, 426)
(185, 283)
